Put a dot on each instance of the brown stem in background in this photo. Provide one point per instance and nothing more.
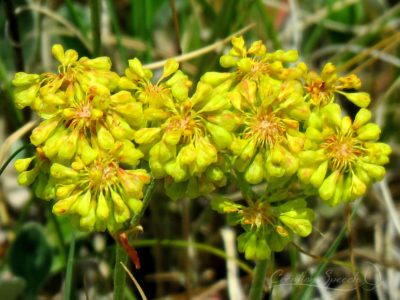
(176, 26)
(186, 236)
(13, 31)
(350, 239)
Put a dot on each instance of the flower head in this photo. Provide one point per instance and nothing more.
(48, 92)
(341, 157)
(267, 227)
(322, 88)
(102, 194)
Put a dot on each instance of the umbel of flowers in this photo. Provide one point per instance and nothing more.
(267, 121)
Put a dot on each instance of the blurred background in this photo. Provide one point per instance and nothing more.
(185, 246)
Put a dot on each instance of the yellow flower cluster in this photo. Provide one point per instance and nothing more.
(261, 122)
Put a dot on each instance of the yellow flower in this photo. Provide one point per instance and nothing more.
(322, 88)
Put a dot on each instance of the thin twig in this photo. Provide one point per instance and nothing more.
(201, 51)
(95, 7)
(14, 137)
(176, 26)
(47, 12)
(350, 239)
(15, 40)
(137, 285)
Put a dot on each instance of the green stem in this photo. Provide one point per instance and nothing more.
(114, 21)
(121, 255)
(4, 166)
(70, 270)
(119, 272)
(74, 16)
(257, 285)
(96, 28)
(146, 200)
(307, 291)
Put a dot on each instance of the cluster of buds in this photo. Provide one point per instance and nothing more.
(85, 158)
(260, 123)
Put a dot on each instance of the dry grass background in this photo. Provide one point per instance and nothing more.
(186, 250)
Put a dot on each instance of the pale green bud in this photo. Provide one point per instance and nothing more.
(63, 206)
(358, 188)
(319, 175)
(105, 138)
(136, 66)
(362, 118)
(227, 61)
(23, 164)
(221, 137)
(215, 78)
(68, 148)
(369, 132)
(135, 205)
(59, 171)
(121, 211)
(83, 204)
(255, 173)
(327, 189)
(58, 52)
(43, 131)
(102, 210)
(28, 177)
(361, 99)
(146, 135)
(22, 79)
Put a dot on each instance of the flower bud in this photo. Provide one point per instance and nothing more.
(361, 99)
(64, 205)
(327, 189)
(255, 172)
(221, 137)
(87, 153)
(319, 175)
(121, 211)
(362, 118)
(369, 132)
(136, 67)
(22, 79)
(146, 135)
(374, 171)
(70, 56)
(83, 204)
(187, 154)
(87, 222)
(68, 149)
(64, 191)
(170, 67)
(59, 171)
(135, 205)
(58, 52)
(176, 171)
(227, 61)
(102, 210)
(99, 63)
(25, 96)
(28, 177)
(23, 164)
(129, 154)
(105, 138)
(215, 78)
(302, 227)
(257, 48)
(43, 131)
(358, 187)
(215, 174)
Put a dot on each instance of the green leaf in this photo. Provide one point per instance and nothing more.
(30, 257)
